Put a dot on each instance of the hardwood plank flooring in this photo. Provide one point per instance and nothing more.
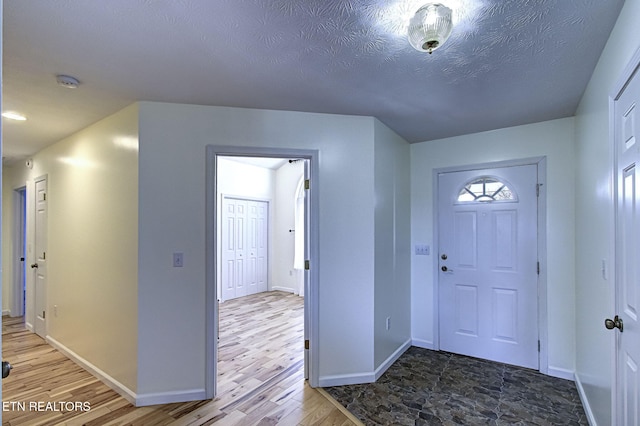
(260, 377)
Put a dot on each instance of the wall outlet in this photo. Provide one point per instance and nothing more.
(388, 323)
(178, 260)
(422, 250)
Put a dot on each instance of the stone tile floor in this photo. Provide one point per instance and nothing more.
(439, 388)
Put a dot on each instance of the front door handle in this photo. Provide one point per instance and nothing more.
(34, 265)
(616, 322)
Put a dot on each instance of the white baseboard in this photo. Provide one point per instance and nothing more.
(6, 312)
(391, 359)
(561, 373)
(365, 377)
(29, 327)
(285, 289)
(585, 402)
(346, 379)
(124, 391)
(424, 344)
(139, 400)
(170, 397)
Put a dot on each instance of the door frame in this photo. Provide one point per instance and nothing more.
(211, 255)
(633, 67)
(541, 164)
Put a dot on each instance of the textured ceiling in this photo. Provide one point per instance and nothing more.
(508, 62)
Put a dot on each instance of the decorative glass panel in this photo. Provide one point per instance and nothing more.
(485, 189)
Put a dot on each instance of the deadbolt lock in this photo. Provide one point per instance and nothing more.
(443, 257)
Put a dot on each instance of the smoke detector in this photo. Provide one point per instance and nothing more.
(67, 81)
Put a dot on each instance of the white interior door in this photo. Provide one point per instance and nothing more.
(488, 282)
(40, 257)
(627, 286)
(244, 247)
(258, 212)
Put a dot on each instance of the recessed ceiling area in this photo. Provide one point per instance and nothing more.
(506, 63)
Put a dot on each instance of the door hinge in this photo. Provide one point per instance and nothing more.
(306, 265)
(306, 344)
(538, 267)
(44, 255)
(44, 196)
(307, 184)
(538, 345)
(538, 185)
(44, 315)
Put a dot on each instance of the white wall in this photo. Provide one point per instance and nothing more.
(172, 204)
(392, 245)
(594, 217)
(553, 139)
(284, 277)
(92, 242)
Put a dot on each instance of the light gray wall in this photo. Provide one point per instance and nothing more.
(553, 139)
(594, 217)
(392, 244)
(171, 207)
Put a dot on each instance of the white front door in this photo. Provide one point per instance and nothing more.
(40, 257)
(627, 286)
(488, 281)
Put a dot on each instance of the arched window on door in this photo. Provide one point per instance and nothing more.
(486, 189)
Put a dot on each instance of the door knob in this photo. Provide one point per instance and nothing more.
(614, 323)
(34, 265)
(6, 369)
(443, 257)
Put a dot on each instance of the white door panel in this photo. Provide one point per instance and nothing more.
(488, 282)
(244, 247)
(40, 250)
(627, 284)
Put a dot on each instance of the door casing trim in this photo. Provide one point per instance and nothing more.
(633, 67)
(211, 308)
(541, 163)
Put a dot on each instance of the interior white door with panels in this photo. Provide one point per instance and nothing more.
(626, 323)
(258, 212)
(488, 273)
(244, 247)
(39, 266)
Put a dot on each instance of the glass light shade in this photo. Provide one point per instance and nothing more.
(430, 27)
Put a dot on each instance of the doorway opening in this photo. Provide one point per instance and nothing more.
(260, 287)
(18, 301)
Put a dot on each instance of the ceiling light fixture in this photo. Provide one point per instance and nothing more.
(430, 27)
(67, 81)
(14, 116)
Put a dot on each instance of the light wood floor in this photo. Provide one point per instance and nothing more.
(260, 376)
